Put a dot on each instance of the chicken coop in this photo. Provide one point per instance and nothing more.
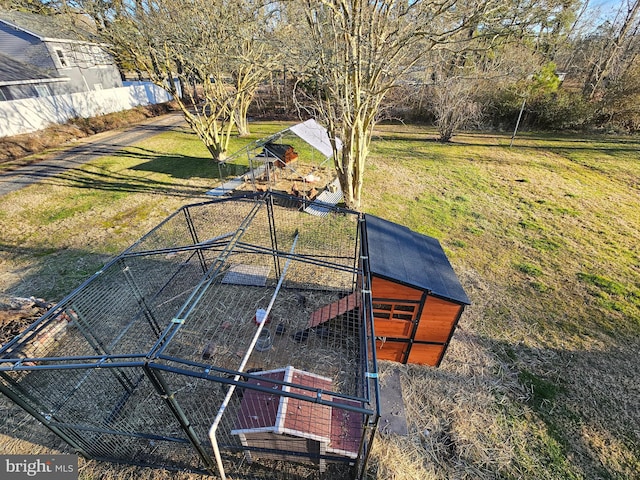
(417, 297)
(295, 161)
(235, 338)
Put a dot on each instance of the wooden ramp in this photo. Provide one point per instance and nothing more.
(346, 429)
(326, 201)
(326, 313)
(230, 186)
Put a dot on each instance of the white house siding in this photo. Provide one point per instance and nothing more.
(33, 114)
(86, 69)
(88, 66)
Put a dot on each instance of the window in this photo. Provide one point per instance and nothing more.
(42, 90)
(395, 311)
(61, 58)
(97, 86)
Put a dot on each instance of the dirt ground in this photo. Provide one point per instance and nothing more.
(16, 314)
(301, 179)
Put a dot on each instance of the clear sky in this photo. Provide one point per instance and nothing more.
(607, 8)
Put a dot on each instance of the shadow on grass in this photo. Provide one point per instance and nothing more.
(52, 272)
(549, 141)
(181, 167)
(584, 398)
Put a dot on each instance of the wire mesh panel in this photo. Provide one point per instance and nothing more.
(243, 310)
(274, 418)
(197, 224)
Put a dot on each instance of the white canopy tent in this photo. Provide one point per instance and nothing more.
(315, 135)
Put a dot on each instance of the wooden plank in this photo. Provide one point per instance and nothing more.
(437, 320)
(308, 419)
(335, 309)
(346, 429)
(385, 289)
(389, 350)
(393, 417)
(425, 354)
(285, 444)
(259, 410)
(392, 328)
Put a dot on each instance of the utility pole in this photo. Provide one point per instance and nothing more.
(518, 122)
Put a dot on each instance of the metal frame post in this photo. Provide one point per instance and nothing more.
(159, 383)
(39, 416)
(232, 387)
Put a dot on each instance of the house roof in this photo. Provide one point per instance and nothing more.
(45, 27)
(13, 72)
(400, 254)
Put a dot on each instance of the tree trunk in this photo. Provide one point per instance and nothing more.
(242, 123)
(350, 162)
(211, 132)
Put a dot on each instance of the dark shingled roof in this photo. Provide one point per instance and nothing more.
(12, 71)
(400, 254)
(45, 26)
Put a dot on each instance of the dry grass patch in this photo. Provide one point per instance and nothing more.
(541, 378)
(544, 237)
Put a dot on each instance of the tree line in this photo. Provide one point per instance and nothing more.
(352, 63)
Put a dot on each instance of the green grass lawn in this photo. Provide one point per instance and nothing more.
(542, 379)
(545, 237)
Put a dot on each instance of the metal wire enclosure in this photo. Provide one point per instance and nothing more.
(234, 338)
(264, 162)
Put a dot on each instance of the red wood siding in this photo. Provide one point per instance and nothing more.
(394, 319)
(425, 354)
(393, 328)
(389, 350)
(381, 288)
(395, 310)
(437, 320)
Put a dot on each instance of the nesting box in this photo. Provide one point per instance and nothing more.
(283, 153)
(417, 297)
(287, 428)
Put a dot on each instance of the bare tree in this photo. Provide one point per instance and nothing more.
(454, 106)
(486, 54)
(211, 56)
(356, 53)
(618, 49)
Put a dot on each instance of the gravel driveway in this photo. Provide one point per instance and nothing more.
(106, 143)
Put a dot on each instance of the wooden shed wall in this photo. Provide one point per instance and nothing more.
(426, 354)
(284, 443)
(395, 308)
(382, 288)
(411, 326)
(437, 320)
(392, 350)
